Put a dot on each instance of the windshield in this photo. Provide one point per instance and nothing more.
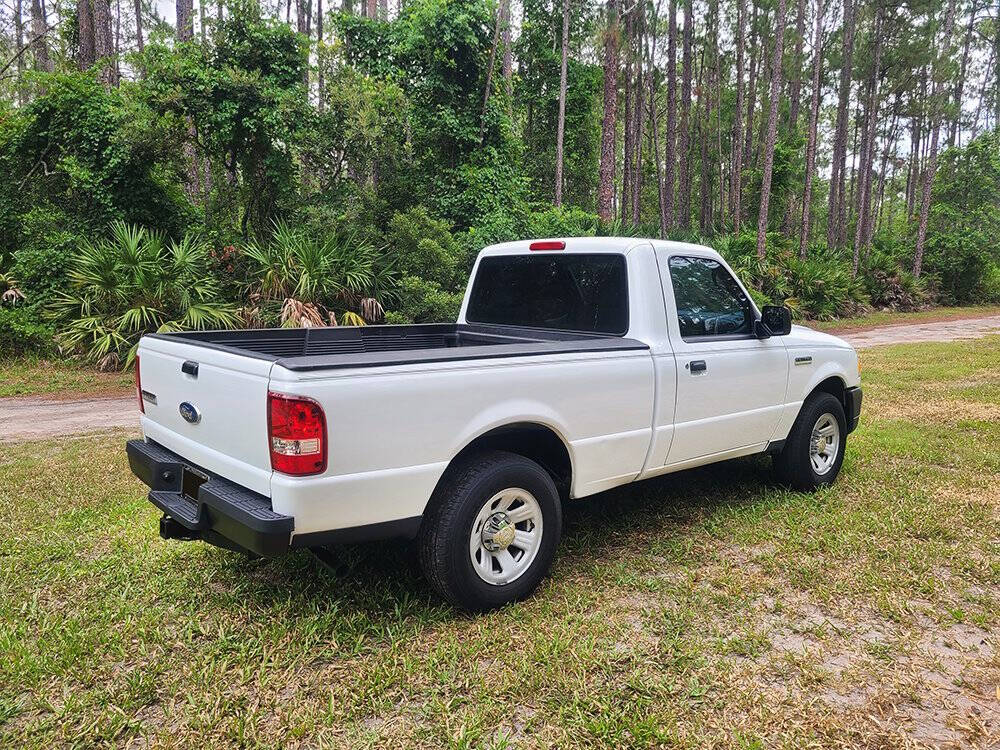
(563, 292)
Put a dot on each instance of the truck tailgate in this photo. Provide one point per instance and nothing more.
(223, 424)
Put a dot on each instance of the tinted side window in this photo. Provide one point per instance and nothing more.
(564, 292)
(709, 301)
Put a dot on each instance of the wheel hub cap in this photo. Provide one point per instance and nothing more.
(498, 532)
(824, 444)
(505, 536)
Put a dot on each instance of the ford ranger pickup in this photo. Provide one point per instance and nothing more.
(576, 365)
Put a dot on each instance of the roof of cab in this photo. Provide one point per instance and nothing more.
(620, 245)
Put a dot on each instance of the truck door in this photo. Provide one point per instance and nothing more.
(730, 384)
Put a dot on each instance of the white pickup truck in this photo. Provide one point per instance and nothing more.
(576, 365)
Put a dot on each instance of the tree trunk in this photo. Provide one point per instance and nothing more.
(670, 158)
(302, 18)
(609, 122)
(956, 124)
(185, 20)
(890, 143)
(628, 129)
(683, 219)
(735, 197)
(811, 137)
(772, 129)
(996, 66)
(717, 87)
(638, 120)
(795, 89)
(868, 148)
(138, 25)
(19, 46)
(925, 205)
(703, 112)
(983, 95)
(320, 72)
(40, 46)
(755, 58)
(86, 56)
(839, 162)
(104, 42)
(490, 67)
(508, 56)
(561, 123)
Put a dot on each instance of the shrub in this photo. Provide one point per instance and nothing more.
(21, 333)
(892, 287)
(422, 301)
(989, 287)
(133, 283)
(304, 280)
(422, 246)
(822, 289)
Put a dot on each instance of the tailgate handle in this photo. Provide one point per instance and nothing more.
(190, 368)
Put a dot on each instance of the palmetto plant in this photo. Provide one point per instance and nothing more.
(309, 282)
(10, 292)
(135, 282)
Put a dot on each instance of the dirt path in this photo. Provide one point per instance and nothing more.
(945, 330)
(30, 418)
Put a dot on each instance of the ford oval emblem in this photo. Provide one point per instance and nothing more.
(190, 412)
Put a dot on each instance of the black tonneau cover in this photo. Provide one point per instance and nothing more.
(304, 349)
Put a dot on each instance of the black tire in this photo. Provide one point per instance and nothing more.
(793, 465)
(448, 521)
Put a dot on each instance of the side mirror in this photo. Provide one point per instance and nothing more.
(778, 319)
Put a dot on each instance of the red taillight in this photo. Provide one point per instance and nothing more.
(548, 245)
(138, 385)
(296, 429)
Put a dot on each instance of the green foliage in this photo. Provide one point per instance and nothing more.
(422, 301)
(819, 287)
(239, 106)
(300, 279)
(132, 283)
(424, 247)
(964, 220)
(41, 261)
(889, 285)
(21, 333)
(379, 196)
(989, 287)
(465, 159)
(84, 156)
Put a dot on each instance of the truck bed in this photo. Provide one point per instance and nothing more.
(304, 349)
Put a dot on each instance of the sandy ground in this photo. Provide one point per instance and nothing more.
(945, 330)
(30, 418)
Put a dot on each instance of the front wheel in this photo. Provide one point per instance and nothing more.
(491, 530)
(814, 450)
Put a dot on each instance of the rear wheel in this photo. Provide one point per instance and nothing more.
(491, 530)
(814, 450)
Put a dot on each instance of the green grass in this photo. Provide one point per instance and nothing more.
(890, 318)
(30, 376)
(707, 608)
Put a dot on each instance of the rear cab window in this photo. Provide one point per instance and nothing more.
(710, 303)
(581, 292)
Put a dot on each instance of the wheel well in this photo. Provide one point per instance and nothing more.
(533, 441)
(835, 387)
